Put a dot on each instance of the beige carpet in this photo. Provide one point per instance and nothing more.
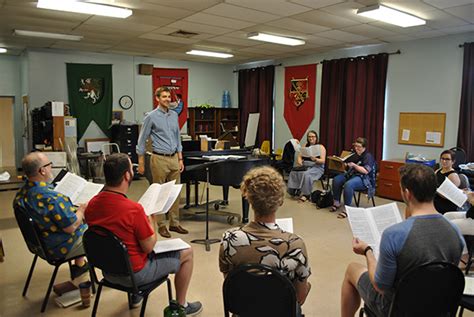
(327, 238)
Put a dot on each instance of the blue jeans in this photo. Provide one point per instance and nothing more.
(350, 185)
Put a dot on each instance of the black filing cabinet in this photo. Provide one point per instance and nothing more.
(126, 136)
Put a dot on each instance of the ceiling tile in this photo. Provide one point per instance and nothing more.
(198, 28)
(233, 40)
(397, 38)
(255, 49)
(120, 24)
(427, 34)
(166, 12)
(277, 7)
(443, 4)
(317, 4)
(415, 7)
(325, 19)
(460, 29)
(368, 31)
(298, 26)
(239, 13)
(464, 12)
(439, 19)
(167, 38)
(193, 5)
(342, 36)
(219, 21)
(347, 10)
(322, 41)
(127, 52)
(369, 42)
(79, 46)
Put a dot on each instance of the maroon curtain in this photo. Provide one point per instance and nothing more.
(353, 102)
(256, 95)
(466, 111)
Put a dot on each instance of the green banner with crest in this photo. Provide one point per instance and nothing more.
(90, 95)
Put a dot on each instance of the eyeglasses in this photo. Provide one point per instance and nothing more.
(445, 159)
(45, 165)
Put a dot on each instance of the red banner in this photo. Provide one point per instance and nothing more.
(177, 81)
(300, 90)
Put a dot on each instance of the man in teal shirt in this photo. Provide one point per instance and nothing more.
(60, 223)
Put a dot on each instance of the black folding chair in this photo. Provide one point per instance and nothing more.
(248, 288)
(433, 289)
(107, 252)
(459, 157)
(31, 235)
(470, 252)
(359, 193)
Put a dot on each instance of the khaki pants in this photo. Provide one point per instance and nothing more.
(165, 169)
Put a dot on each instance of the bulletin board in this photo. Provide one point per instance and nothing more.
(422, 128)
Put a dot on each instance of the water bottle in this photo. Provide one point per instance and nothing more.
(174, 310)
(226, 99)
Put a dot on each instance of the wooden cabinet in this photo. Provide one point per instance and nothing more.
(388, 182)
(213, 122)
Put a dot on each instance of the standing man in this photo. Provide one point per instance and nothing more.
(166, 163)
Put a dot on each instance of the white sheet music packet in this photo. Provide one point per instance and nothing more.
(159, 198)
(368, 224)
(451, 192)
(77, 188)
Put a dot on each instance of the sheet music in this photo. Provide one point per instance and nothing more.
(148, 199)
(384, 216)
(361, 226)
(286, 224)
(162, 198)
(168, 245)
(174, 193)
(451, 192)
(222, 157)
(469, 286)
(71, 185)
(311, 151)
(87, 193)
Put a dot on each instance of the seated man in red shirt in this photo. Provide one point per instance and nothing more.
(112, 210)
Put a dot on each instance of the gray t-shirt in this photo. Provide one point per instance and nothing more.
(414, 242)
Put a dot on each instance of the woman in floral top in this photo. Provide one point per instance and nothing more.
(262, 241)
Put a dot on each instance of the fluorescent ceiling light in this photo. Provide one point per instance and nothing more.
(47, 35)
(3, 50)
(389, 15)
(85, 7)
(275, 39)
(209, 54)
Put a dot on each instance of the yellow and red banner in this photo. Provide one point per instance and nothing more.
(300, 90)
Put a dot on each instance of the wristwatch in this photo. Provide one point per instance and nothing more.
(367, 250)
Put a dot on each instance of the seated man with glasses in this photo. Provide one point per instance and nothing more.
(60, 223)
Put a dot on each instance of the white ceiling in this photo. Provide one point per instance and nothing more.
(222, 25)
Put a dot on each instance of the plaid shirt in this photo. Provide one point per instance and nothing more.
(52, 212)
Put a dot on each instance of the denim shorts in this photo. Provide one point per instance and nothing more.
(378, 304)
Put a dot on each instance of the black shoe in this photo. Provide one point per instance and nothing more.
(136, 300)
(193, 308)
(77, 271)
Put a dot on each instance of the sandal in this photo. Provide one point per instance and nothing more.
(342, 215)
(302, 199)
(334, 208)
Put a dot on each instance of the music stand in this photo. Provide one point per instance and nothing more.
(206, 241)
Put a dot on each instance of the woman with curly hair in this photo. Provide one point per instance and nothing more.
(262, 240)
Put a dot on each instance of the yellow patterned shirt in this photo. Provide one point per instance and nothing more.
(52, 212)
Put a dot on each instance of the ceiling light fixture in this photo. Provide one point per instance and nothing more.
(209, 54)
(275, 39)
(389, 15)
(85, 7)
(3, 50)
(47, 35)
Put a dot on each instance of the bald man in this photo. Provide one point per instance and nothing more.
(60, 223)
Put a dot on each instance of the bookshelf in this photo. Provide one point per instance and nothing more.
(213, 122)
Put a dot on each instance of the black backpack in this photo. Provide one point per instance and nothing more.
(322, 198)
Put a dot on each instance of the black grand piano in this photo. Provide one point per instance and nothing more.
(228, 173)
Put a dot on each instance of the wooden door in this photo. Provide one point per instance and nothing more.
(7, 135)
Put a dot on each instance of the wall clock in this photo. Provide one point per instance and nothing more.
(125, 102)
